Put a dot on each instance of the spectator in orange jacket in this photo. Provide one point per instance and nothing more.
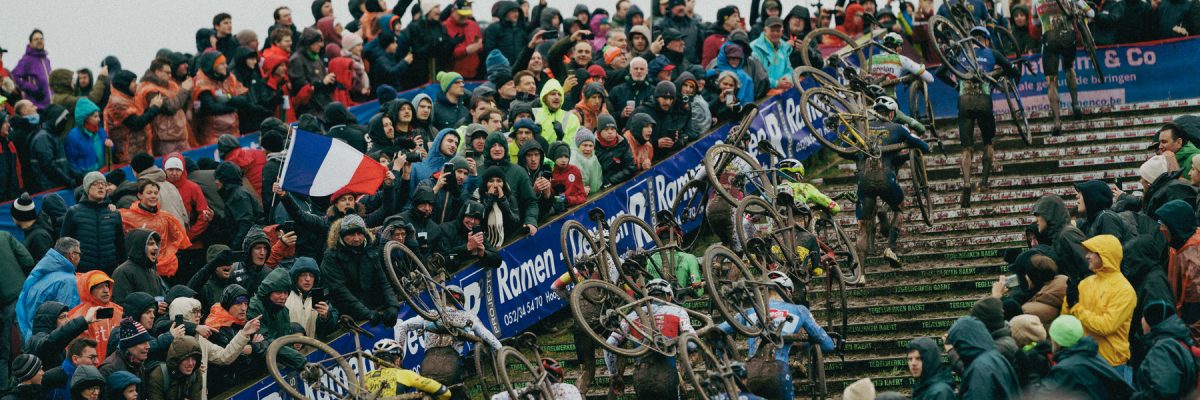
(95, 290)
(145, 214)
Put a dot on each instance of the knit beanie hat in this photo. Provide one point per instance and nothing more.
(559, 150)
(1066, 330)
(496, 59)
(611, 54)
(92, 177)
(1157, 311)
(234, 294)
(272, 141)
(173, 163)
(115, 177)
(664, 89)
(427, 6)
(140, 162)
(23, 209)
(132, 334)
(352, 223)
(990, 311)
(349, 41)
(385, 93)
(585, 135)
(862, 389)
(1027, 328)
(25, 367)
(1152, 168)
(447, 78)
(603, 121)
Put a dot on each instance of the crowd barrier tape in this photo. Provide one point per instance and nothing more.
(1133, 73)
(363, 112)
(517, 294)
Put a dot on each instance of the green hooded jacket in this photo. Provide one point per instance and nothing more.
(275, 319)
(546, 119)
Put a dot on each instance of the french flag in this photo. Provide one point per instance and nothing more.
(320, 166)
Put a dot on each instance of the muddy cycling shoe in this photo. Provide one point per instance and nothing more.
(1076, 112)
(1056, 131)
(892, 258)
(965, 201)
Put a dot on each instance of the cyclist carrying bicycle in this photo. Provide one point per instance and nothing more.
(975, 108)
(876, 177)
(443, 341)
(657, 376)
(394, 381)
(895, 67)
(558, 389)
(792, 319)
(804, 191)
(686, 268)
(1058, 51)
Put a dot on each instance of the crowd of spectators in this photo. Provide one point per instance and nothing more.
(560, 107)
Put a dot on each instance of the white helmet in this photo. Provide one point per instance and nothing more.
(781, 279)
(659, 287)
(885, 104)
(388, 346)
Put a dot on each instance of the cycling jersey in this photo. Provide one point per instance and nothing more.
(892, 66)
(793, 318)
(809, 194)
(389, 382)
(1049, 16)
(976, 8)
(671, 320)
(687, 269)
(435, 335)
(877, 176)
(558, 391)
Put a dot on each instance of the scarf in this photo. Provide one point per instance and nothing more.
(607, 143)
(219, 318)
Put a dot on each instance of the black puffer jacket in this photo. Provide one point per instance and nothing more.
(671, 123)
(449, 114)
(1097, 199)
(138, 273)
(342, 125)
(508, 37)
(242, 209)
(100, 233)
(49, 340)
(616, 161)
(356, 281)
(1169, 371)
(430, 46)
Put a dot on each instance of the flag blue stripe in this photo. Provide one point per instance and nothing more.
(307, 155)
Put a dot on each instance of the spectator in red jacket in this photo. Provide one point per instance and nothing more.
(462, 25)
(250, 161)
(565, 179)
(193, 197)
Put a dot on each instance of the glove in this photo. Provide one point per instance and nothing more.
(459, 38)
(1072, 295)
(558, 130)
(389, 322)
(376, 318)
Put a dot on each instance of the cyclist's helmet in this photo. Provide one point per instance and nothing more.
(876, 91)
(791, 165)
(781, 279)
(663, 228)
(892, 40)
(551, 366)
(885, 104)
(981, 32)
(659, 287)
(388, 347)
(456, 292)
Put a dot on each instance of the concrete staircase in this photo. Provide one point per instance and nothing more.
(952, 264)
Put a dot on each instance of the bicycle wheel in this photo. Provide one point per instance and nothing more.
(767, 237)
(731, 171)
(803, 73)
(614, 306)
(633, 240)
(689, 205)
(321, 376)
(816, 373)
(412, 281)
(920, 107)
(486, 375)
(835, 239)
(920, 181)
(838, 119)
(735, 289)
(851, 52)
(951, 44)
(834, 301)
(1016, 109)
(710, 375)
(1004, 42)
(510, 356)
(582, 252)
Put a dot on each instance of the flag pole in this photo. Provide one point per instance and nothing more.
(282, 167)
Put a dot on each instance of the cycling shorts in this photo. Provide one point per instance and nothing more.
(890, 192)
(966, 125)
(1058, 53)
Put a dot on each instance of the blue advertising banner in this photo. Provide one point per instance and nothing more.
(1133, 73)
(517, 294)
